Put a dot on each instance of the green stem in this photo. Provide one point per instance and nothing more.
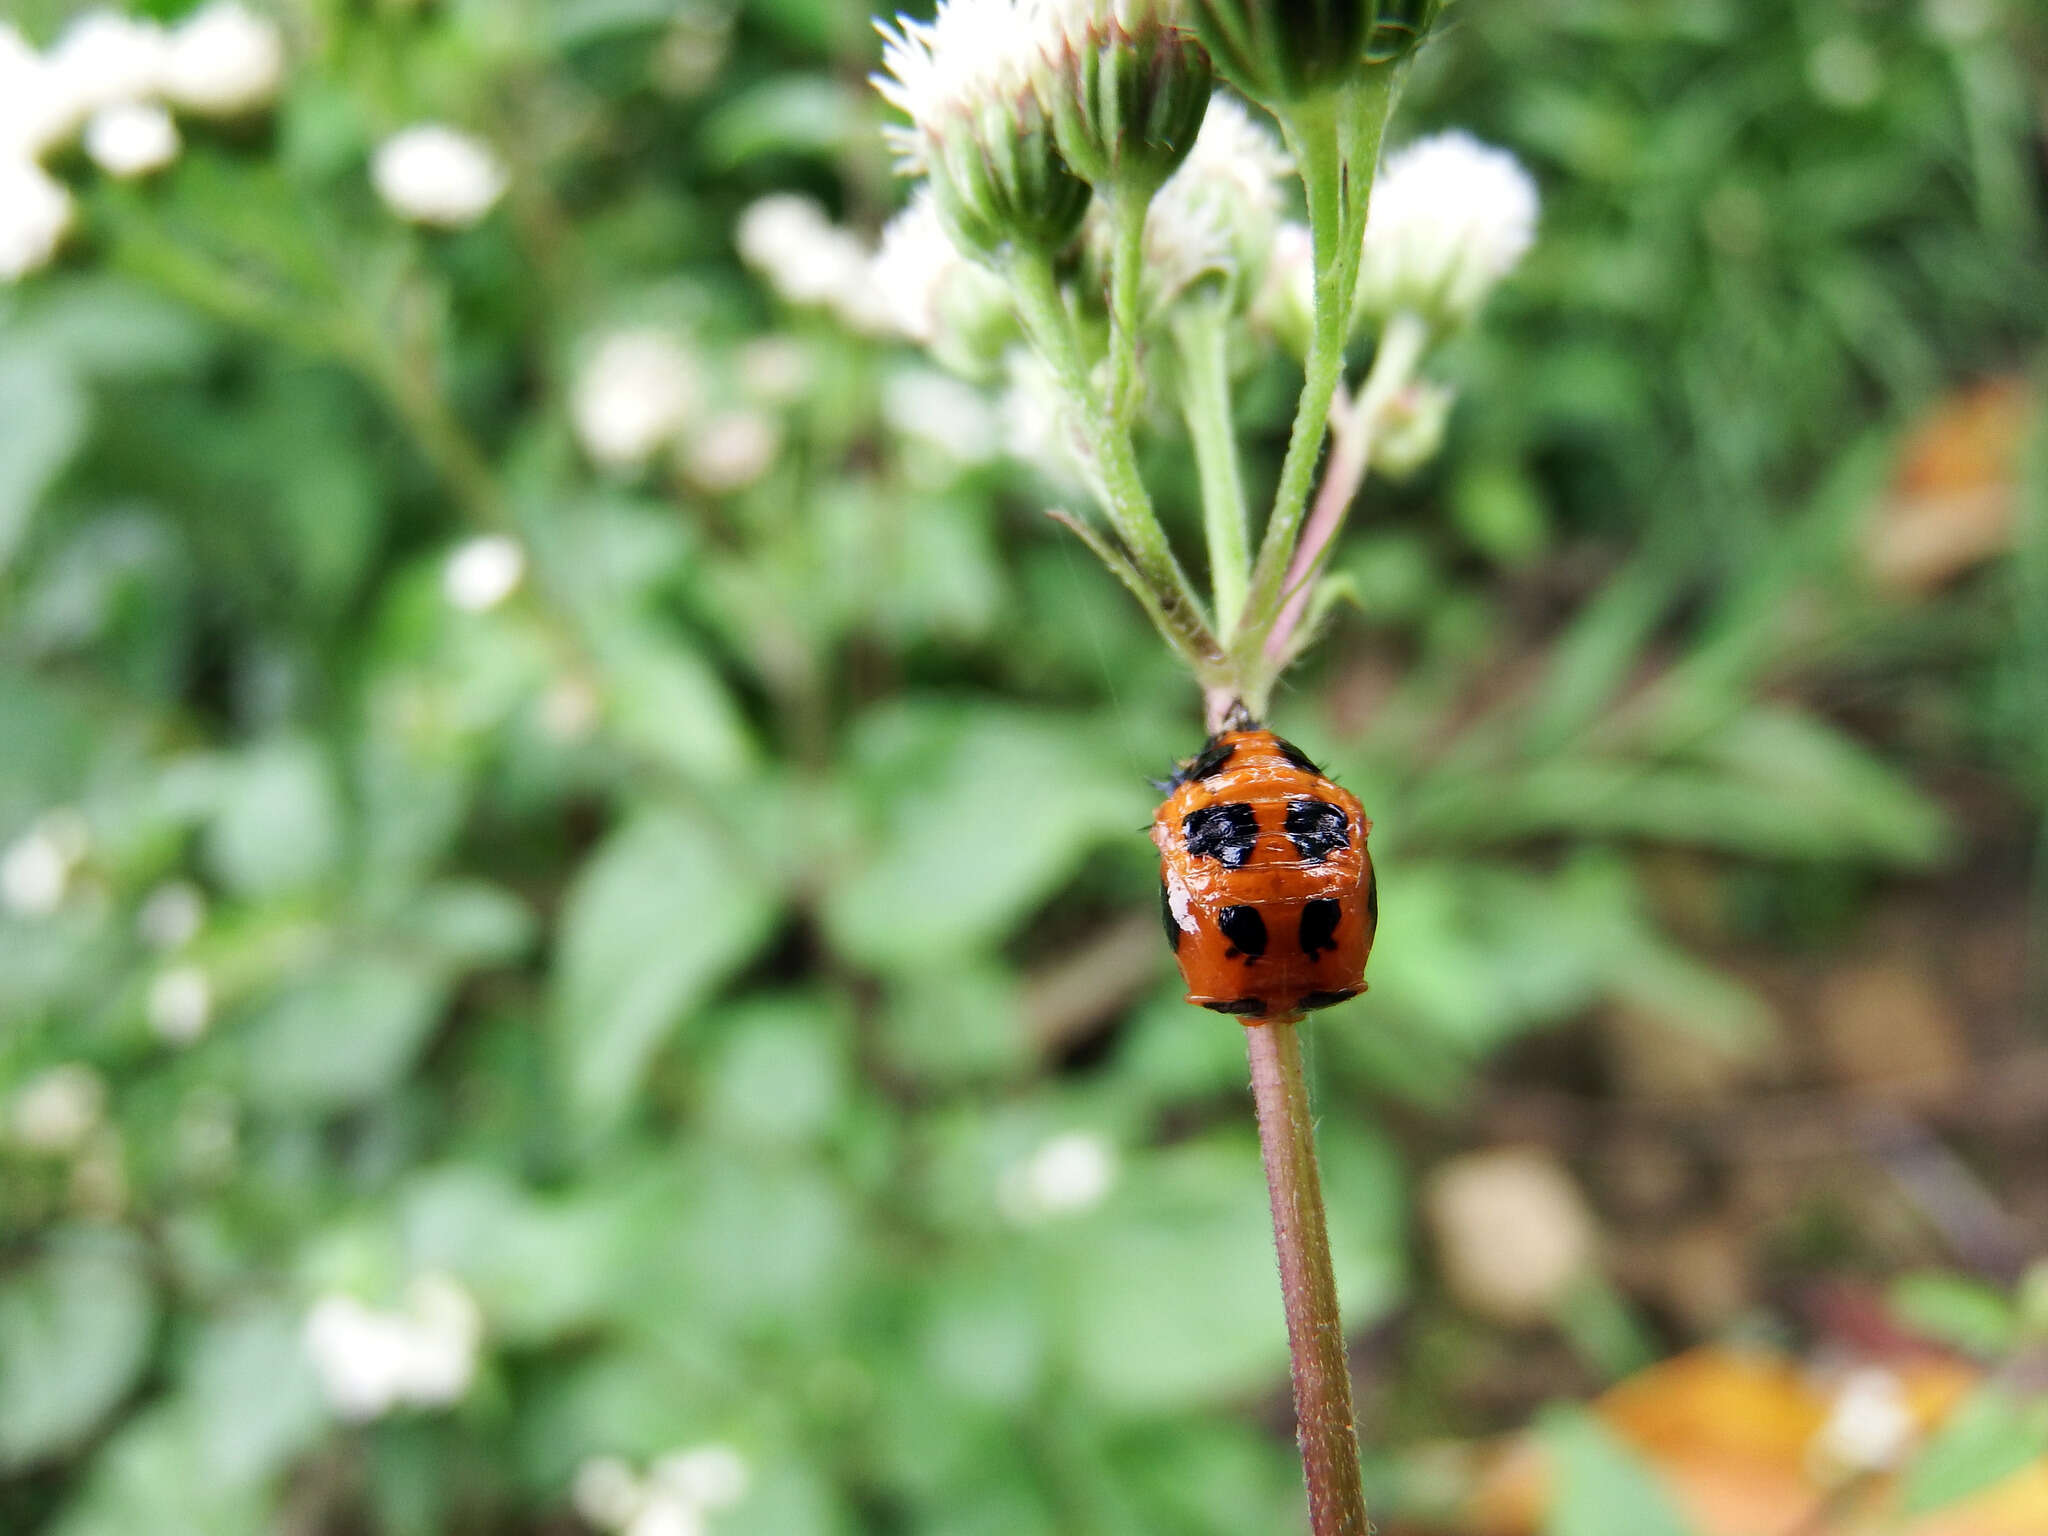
(1201, 336)
(1126, 265)
(1336, 147)
(1324, 1427)
(1119, 486)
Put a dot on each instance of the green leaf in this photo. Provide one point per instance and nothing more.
(1956, 1310)
(1990, 1436)
(470, 923)
(667, 701)
(75, 1329)
(251, 1395)
(1603, 1488)
(43, 413)
(143, 1483)
(661, 914)
(278, 824)
(344, 1036)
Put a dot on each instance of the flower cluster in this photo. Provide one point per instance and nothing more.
(369, 1361)
(675, 1497)
(115, 80)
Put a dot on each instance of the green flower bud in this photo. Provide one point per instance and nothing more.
(1125, 87)
(1400, 29)
(1280, 51)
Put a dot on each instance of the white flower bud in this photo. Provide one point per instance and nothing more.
(180, 1004)
(606, 1493)
(1069, 1174)
(104, 58)
(358, 1356)
(807, 258)
(445, 1328)
(431, 174)
(933, 294)
(483, 572)
(632, 396)
(710, 1476)
(1869, 1426)
(35, 872)
(131, 138)
(55, 1111)
(224, 60)
(1450, 217)
(733, 450)
(36, 111)
(1216, 216)
(35, 211)
(1411, 430)
(171, 915)
(663, 1515)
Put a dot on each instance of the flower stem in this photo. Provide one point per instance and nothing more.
(1119, 486)
(1201, 336)
(1351, 441)
(1308, 1288)
(1126, 263)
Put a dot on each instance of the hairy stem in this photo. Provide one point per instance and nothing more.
(1201, 337)
(1126, 263)
(1352, 432)
(1119, 486)
(1308, 1288)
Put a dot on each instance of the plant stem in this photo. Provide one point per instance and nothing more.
(1352, 431)
(1201, 337)
(1119, 486)
(1308, 1288)
(1126, 263)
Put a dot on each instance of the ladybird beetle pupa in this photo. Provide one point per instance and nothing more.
(1265, 885)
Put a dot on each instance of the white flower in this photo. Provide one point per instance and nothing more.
(1869, 1425)
(969, 56)
(1218, 212)
(171, 915)
(1449, 218)
(606, 1492)
(56, 1110)
(483, 572)
(180, 1004)
(632, 395)
(224, 60)
(733, 450)
(131, 138)
(911, 268)
(709, 1476)
(34, 874)
(36, 112)
(1069, 1174)
(666, 1516)
(807, 258)
(432, 174)
(35, 211)
(939, 410)
(105, 58)
(369, 1361)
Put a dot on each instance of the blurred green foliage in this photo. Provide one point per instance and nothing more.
(660, 952)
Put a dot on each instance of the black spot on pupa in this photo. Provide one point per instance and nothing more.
(1329, 999)
(1227, 832)
(1372, 898)
(1166, 917)
(1316, 828)
(1319, 920)
(1214, 756)
(1295, 756)
(1240, 1007)
(1245, 929)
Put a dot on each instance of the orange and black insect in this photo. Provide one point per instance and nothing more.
(1264, 880)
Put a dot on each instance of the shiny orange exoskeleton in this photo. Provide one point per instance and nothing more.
(1264, 880)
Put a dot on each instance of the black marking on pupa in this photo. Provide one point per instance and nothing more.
(1245, 929)
(1319, 919)
(1240, 1007)
(1316, 1000)
(1296, 756)
(1227, 832)
(1166, 917)
(1316, 828)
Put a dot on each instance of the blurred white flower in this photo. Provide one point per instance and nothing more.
(663, 1515)
(971, 56)
(432, 174)
(33, 874)
(104, 58)
(171, 915)
(1869, 1425)
(808, 259)
(775, 370)
(1845, 71)
(36, 112)
(56, 1110)
(369, 1361)
(224, 60)
(732, 450)
(943, 412)
(35, 211)
(632, 395)
(606, 1492)
(483, 572)
(131, 138)
(710, 1476)
(1411, 431)
(1217, 214)
(1069, 1174)
(180, 1004)
(569, 709)
(1449, 218)
(1038, 423)
(912, 266)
